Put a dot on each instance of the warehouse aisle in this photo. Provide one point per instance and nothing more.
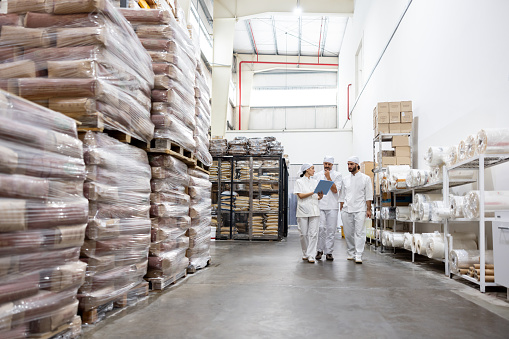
(265, 290)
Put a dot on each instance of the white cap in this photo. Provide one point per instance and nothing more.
(354, 159)
(329, 159)
(305, 167)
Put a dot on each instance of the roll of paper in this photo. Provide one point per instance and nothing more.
(407, 244)
(403, 213)
(493, 201)
(437, 155)
(492, 141)
(465, 258)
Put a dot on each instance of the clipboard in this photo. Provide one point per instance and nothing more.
(324, 186)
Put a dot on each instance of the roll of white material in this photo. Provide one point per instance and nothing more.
(439, 211)
(493, 201)
(423, 177)
(436, 174)
(425, 211)
(388, 213)
(437, 155)
(396, 239)
(422, 243)
(492, 141)
(416, 239)
(397, 176)
(466, 148)
(403, 213)
(384, 238)
(378, 216)
(411, 178)
(414, 214)
(409, 238)
(456, 202)
(465, 258)
(422, 198)
(463, 236)
(452, 157)
(435, 248)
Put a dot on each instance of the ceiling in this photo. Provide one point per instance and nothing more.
(281, 34)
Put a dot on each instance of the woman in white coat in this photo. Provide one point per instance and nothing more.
(308, 212)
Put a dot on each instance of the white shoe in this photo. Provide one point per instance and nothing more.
(358, 261)
(304, 257)
(349, 258)
(311, 260)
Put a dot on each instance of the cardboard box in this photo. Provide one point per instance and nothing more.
(406, 106)
(405, 127)
(367, 168)
(400, 140)
(375, 121)
(395, 107)
(388, 153)
(394, 128)
(382, 107)
(383, 128)
(407, 116)
(387, 161)
(403, 151)
(394, 117)
(383, 118)
(403, 161)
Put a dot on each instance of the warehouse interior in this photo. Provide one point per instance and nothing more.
(153, 155)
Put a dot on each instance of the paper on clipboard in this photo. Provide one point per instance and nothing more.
(323, 186)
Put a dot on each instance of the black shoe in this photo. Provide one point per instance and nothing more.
(329, 257)
(319, 255)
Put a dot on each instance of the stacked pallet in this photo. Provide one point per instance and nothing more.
(81, 58)
(201, 206)
(203, 112)
(173, 102)
(170, 221)
(118, 231)
(43, 216)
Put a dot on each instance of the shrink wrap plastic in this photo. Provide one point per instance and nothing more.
(403, 213)
(396, 177)
(388, 213)
(439, 211)
(493, 201)
(81, 58)
(461, 258)
(396, 239)
(43, 217)
(422, 241)
(492, 141)
(407, 243)
(118, 232)
(170, 205)
(436, 249)
(257, 146)
(437, 156)
(238, 146)
(456, 206)
(466, 148)
(202, 118)
(200, 190)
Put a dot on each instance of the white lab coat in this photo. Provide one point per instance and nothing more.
(330, 201)
(329, 211)
(308, 216)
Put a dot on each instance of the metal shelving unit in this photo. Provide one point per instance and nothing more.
(231, 217)
(480, 163)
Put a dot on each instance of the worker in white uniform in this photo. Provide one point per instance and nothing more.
(308, 212)
(329, 209)
(355, 200)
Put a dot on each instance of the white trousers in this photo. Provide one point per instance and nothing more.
(355, 233)
(308, 228)
(327, 230)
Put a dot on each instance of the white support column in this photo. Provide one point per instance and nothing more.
(224, 30)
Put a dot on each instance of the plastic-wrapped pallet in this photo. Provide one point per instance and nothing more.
(170, 208)
(43, 216)
(202, 110)
(118, 231)
(199, 233)
(238, 146)
(80, 58)
(173, 96)
(218, 147)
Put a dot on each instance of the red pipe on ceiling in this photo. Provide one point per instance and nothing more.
(270, 63)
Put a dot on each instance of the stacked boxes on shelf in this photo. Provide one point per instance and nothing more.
(174, 65)
(118, 232)
(81, 58)
(43, 216)
(170, 220)
(201, 206)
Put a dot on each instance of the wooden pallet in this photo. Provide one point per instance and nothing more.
(169, 147)
(201, 167)
(99, 313)
(60, 330)
(192, 268)
(88, 121)
(159, 284)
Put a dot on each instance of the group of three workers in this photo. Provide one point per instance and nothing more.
(317, 213)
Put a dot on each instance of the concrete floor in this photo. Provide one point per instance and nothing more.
(265, 290)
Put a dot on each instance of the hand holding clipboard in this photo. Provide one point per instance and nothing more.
(324, 186)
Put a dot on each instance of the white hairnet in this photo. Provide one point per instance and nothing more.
(354, 159)
(305, 167)
(328, 158)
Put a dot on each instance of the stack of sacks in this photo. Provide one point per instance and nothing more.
(170, 218)
(275, 148)
(238, 146)
(218, 147)
(118, 231)
(171, 50)
(203, 112)
(43, 216)
(258, 225)
(257, 146)
(81, 58)
(272, 224)
(200, 190)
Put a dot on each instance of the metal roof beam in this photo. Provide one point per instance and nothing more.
(249, 32)
(325, 28)
(274, 33)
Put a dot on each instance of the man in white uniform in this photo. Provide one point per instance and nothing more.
(329, 209)
(355, 200)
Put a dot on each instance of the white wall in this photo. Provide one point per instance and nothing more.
(309, 146)
(451, 58)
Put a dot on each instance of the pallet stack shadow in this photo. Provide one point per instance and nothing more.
(174, 65)
(43, 216)
(81, 58)
(118, 232)
(170, 206)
